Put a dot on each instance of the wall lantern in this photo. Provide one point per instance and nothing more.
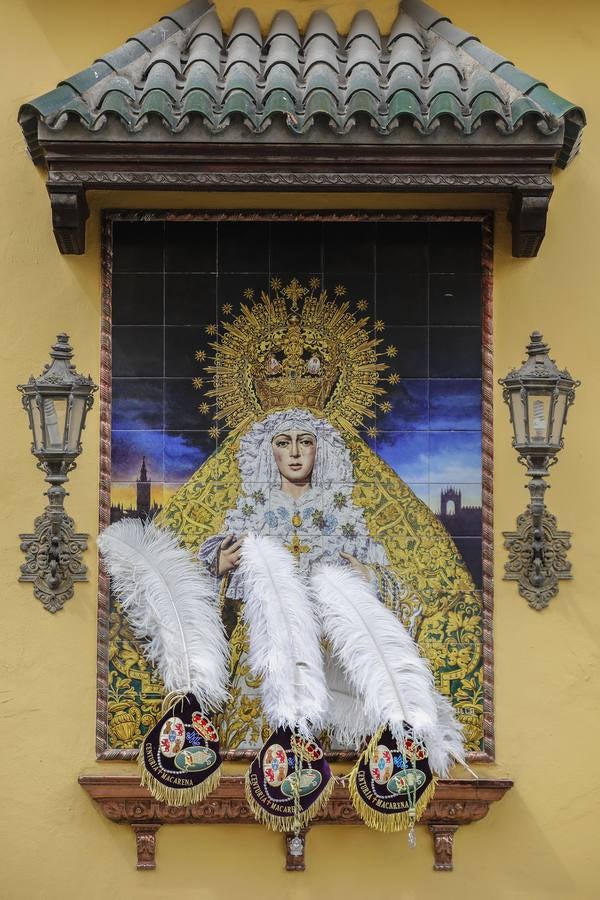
(538, 396)
(57, 402)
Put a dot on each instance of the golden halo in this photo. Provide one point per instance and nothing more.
(294, 347)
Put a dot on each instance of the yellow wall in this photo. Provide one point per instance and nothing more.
(541, 840)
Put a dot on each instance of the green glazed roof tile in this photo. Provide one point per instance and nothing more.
(363, 78)
(445, 105)
(117, 103)
(284, 24)
(282, 78)
(161, 77)
(88, 78)
(404, 103)
(321, 101)
(198, 102)
(364, 25)
(239, 102)
(278, 101)
(403, 27)
(424, 69)
(486, 104)
(160, 104)
(486, 57)
(207, 23)
(404, 78)
(521, 80)
(118, 84)
(206, 51)
(200, 76)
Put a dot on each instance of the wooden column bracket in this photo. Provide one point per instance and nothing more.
(145, 842)
(443, 846)
(294, 852)
(122, 799)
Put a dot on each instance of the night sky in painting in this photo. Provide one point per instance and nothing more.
(174, 280)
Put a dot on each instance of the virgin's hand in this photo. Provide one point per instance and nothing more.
(230, 553)
(356, 565)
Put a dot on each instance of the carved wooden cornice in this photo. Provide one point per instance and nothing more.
(122, 799)
(520, 171)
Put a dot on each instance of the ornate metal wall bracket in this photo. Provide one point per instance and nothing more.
(122, 799)
(56, 402)
(53, 554)
(538, 396)
(521, 565)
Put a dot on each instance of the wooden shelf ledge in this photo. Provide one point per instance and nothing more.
(122, 799)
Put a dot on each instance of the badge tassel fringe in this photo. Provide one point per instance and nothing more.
(386, 822)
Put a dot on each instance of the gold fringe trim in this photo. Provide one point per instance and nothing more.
(283, 823)
(177, 796)
(387, 822)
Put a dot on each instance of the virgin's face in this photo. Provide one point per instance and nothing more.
(294, 453)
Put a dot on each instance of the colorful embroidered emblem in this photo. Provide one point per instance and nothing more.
(195, 759)
(204, 727)
(405, 780)
(310, 780)
(382, 765)
(275, 765)
(172, 737)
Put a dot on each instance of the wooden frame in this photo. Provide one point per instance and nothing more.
(103, 751)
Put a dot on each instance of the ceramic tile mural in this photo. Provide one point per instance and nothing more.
(415, 287)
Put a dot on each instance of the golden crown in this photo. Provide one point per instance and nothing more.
(295, 347)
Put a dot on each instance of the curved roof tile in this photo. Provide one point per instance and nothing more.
(321, 23)
(423, 71)
(364, 25)
(210, 24)
(246, 23)
(284, 24)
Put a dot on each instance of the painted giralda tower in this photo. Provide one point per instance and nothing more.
(144, 489)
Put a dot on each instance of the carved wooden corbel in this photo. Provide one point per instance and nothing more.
(528, 216)
(69, 215)
(145, 842)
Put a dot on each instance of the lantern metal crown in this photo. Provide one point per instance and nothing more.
(57, 402)
(538, 395)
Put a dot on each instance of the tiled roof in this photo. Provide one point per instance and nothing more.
(185, 67)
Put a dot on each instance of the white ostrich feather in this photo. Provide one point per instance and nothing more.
(284, 637)
(171, 605)
(383, 666)
(345, 719)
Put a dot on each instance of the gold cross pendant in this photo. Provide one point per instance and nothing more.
(296, 548)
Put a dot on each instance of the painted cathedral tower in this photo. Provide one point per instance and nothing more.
(144, 490)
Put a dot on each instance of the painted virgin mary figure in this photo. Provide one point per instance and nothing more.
(295, 375)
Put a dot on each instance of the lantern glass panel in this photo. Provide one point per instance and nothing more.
(75, 423)
(560, 414)
(517, 410)
(55, 414)
(538, 409)
(34, 402)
